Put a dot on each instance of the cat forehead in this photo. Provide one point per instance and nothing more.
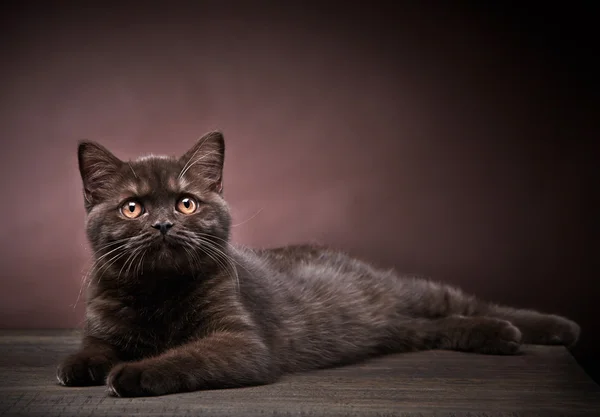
(151, 173)
(152, 166)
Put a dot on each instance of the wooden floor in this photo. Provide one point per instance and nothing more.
(543, 381)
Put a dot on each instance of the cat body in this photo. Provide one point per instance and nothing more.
(173, 306)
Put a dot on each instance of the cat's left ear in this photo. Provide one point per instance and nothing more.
(204, 161)
(99, 168)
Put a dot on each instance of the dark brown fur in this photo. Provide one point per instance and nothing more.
(187, 310)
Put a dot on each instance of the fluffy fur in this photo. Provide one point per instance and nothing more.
(172, 306)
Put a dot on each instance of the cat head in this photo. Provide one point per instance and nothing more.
(156, 213)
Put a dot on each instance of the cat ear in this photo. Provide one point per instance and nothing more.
(204, 161)
(98, 168)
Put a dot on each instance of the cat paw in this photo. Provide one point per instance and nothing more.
(135, 380)
(83, 369)
(555, 330)
(493, 336)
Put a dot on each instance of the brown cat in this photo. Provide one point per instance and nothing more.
(173, 306)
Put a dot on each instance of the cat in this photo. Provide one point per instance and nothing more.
(173, 306)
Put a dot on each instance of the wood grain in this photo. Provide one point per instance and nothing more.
(543, 381)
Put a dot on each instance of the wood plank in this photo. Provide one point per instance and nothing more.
(543, 381)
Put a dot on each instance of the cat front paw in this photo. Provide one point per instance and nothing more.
(136, 379)
(83, 369)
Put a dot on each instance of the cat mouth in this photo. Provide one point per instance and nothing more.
(165, 242)
(165, 247)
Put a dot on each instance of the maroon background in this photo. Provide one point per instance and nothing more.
(455, 143)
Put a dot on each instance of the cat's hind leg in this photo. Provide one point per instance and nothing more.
(469, 334)
(479, 334)
(439, 300)
(539, 328)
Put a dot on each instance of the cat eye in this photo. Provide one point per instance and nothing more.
(187, 205)
(132, 209)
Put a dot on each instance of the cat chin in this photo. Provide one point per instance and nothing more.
(164, 246)
(168, 256)
(164, 253)
(167, 266)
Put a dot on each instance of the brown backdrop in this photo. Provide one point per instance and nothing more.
(455, 143)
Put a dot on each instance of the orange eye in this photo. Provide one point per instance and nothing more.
(132, 209)
(187, 205)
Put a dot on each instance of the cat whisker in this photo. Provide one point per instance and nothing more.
(195, 262)
(130, 257)
(211, 250)
(195, 162)
(94, 265)
(219, 253)
(108, 245)
(140, 264)
(131, 267)
(214, 255)
(111, 251)
(226, 242)
(209, 253)
(248, 219)
(107, 265)
(134, 174)
(89, 274)
(220, 239)
(134, 252)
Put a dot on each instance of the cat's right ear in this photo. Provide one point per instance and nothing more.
(205, 160)
(98, 168)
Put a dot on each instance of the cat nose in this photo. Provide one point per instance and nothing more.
(163, 226)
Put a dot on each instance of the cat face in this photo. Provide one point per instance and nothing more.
(156, 213)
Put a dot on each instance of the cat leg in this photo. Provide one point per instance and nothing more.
(469, 334)
(478, 334)
(220, 360)
(89, 366)
(539, 328)
(438, 300)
